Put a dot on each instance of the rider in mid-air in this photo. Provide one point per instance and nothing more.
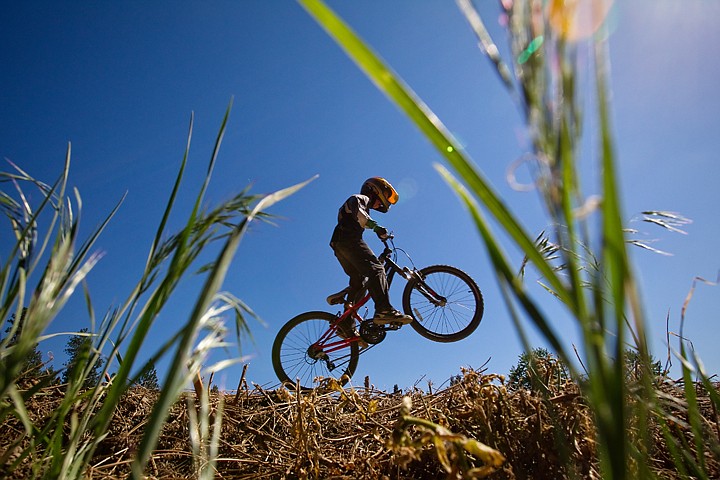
(354, 255)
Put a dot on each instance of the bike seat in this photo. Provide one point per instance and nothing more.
(339, 297)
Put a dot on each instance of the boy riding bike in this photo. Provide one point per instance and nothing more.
(356, 258)
(442, 303)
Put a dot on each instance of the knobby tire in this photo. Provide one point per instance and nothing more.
(458, 318)
(292, 360)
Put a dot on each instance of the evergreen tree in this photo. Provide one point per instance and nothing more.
(634, 364)
(149, 379)
(79, 350)
(33, 367)
(545, 371)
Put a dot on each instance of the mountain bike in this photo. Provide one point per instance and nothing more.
(446, 305)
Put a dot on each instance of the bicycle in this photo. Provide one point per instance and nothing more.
(446, 305)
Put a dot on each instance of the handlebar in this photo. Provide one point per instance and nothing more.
(388, 248)
(390, 253)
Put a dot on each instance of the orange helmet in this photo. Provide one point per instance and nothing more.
(377, 187)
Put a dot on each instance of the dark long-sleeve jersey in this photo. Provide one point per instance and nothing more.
(353, 219)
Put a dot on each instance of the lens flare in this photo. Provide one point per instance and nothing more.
(576, 20)
(532, 48)
(407, 189)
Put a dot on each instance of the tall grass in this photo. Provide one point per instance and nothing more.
(596, 283)
(48, 249)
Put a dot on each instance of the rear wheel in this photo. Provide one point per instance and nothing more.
(295, 357)
(445, 302)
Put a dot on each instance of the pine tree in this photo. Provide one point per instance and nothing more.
(79, 349)
(149, 379)
(546, 370)
(33, 367)
(634, 365)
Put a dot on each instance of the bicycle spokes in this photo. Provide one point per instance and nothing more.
(433, 297)
(446, 304)
(309, 347)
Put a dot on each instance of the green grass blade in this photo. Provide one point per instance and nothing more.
(502, 266)
(176, 378)
(693, 410)
(486, 44)
(434, 130)
(173, 195)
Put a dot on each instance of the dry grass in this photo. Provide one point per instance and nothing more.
(364, 433)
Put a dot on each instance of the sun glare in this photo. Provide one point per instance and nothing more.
(576, 20)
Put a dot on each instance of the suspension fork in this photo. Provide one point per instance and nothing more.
(413, 277)
(427, 292)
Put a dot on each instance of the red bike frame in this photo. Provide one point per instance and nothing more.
(390, 269)
(320, 345)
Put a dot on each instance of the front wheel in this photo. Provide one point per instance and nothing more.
(445, 302)
(296, 354)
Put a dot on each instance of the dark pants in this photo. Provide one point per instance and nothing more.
(359, 262)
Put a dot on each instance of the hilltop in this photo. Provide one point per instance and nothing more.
(476, 425)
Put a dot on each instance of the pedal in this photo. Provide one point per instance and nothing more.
(381, 321)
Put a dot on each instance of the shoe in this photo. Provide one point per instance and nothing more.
(339, 297)
(346, 330)
(391, 316)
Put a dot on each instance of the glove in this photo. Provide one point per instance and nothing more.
(381, 232)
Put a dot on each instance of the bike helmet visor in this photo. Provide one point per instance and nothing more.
(377, 187)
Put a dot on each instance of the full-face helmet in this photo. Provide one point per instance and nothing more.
(379, 188)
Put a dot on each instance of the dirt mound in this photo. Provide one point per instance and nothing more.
(475, 427)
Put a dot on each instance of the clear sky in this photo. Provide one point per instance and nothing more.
(120, 79)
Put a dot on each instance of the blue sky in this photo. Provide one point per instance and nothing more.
(120, 79)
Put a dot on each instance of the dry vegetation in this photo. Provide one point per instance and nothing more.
(365, 433)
